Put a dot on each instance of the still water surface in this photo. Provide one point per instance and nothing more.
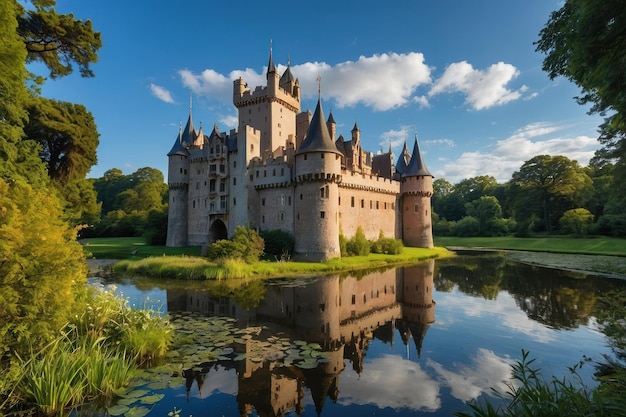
(419, 340)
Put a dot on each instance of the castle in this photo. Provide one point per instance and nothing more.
(286, 169)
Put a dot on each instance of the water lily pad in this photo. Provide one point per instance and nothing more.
(159, 385)
(240, 357)
(118, 410)
(137, 412)
(306, 365)
(127, 401)
(151, 399)
(136, 393)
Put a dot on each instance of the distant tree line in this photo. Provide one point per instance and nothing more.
(550, 194)
(131, 205)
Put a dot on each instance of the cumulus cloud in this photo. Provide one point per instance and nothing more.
(377, 388)
(467, 382)
(381, 82)
(482, 88)
(396, 138)
(509, 154)
(161, 93)
(442, 143)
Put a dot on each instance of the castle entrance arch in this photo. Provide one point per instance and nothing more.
(217, 231)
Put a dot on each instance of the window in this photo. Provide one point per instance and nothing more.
(263, 201)
(377, 202)
(212, 186)
(222, 185)
(322, 192)
(234, 180)
(353, 298)
(351, 201)
(263, 219)
(223, 202)
(322, 214)
(289, 200)
(326, 189)
(234, 201)
(362, 203)
(234, 164)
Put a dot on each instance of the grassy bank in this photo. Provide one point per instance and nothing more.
(555, 244)
(133, 248)
(192, 267)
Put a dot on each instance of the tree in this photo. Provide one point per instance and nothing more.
(554, 178)
(471, 189)
(81, 205)
(585, 42)
(486, 210)
(58, 41)
(576, 220)
(19, 158)
(68, 137)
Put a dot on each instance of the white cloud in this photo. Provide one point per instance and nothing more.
(376, 387)
(381, 82)
(442, 143)
(482, 89)
(161, 93)
(396, 138)
(468, 382)
(509, 154)
(230, 121)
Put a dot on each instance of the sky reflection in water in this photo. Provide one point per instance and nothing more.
(392, 351)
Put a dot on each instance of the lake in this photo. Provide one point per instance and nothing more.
(409, 341)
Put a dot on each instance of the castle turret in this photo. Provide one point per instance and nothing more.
(178, 183)
(317, 175)
(332, 126)
(417, 189)
(272, 75)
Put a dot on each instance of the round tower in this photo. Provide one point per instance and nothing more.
(178, 183)
(317, 177)
(417, 189)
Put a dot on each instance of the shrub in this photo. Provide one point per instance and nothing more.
(386, 245)
(467, 226)
(278, 243)
(576, 221)
(246, 245)
(358, 245)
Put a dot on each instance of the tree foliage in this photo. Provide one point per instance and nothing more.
(40, 265)
(576, 221)
(486, 210)
(552, 178)
(58, 40)
(67, 135)
(246, 245)
(585, 42)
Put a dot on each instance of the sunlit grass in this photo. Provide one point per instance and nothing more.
(189, 267)
(600, 245)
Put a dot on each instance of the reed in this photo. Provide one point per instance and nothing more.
(69, 372)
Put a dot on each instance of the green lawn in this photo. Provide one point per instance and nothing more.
(132, 248)
(556, 244)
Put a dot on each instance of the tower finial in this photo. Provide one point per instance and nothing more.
(319, 87)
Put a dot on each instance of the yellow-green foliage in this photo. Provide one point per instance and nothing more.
(40, 267)
(142, 335)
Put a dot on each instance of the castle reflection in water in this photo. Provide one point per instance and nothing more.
(340, 313)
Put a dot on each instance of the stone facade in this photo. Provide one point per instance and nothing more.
(286, 169)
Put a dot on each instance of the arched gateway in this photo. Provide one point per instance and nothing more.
(217, 231)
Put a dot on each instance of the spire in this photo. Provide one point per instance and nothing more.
(271, 68)
(416, 166)
(317, 137)
(178, 148)
(403, 159)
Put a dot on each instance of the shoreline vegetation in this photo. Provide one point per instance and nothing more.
(594, 255)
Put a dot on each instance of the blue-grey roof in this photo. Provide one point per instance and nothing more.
(317, 137)
(178, 148)
(403, 159)
(416, 166)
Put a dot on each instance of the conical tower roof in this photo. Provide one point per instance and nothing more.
(178, 148)
(416, 167)
(317, 137)
(403, 159)
(271, 67)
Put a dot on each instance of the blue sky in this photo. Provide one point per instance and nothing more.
(462, 75)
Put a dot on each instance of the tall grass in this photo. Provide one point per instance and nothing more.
(531, 394)
(65, 374)
(142, 335)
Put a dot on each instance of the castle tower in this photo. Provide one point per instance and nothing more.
(178, 183)
(417, 188)
(317, 175)
(332, 126)
(418, 306)
(272, 109)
